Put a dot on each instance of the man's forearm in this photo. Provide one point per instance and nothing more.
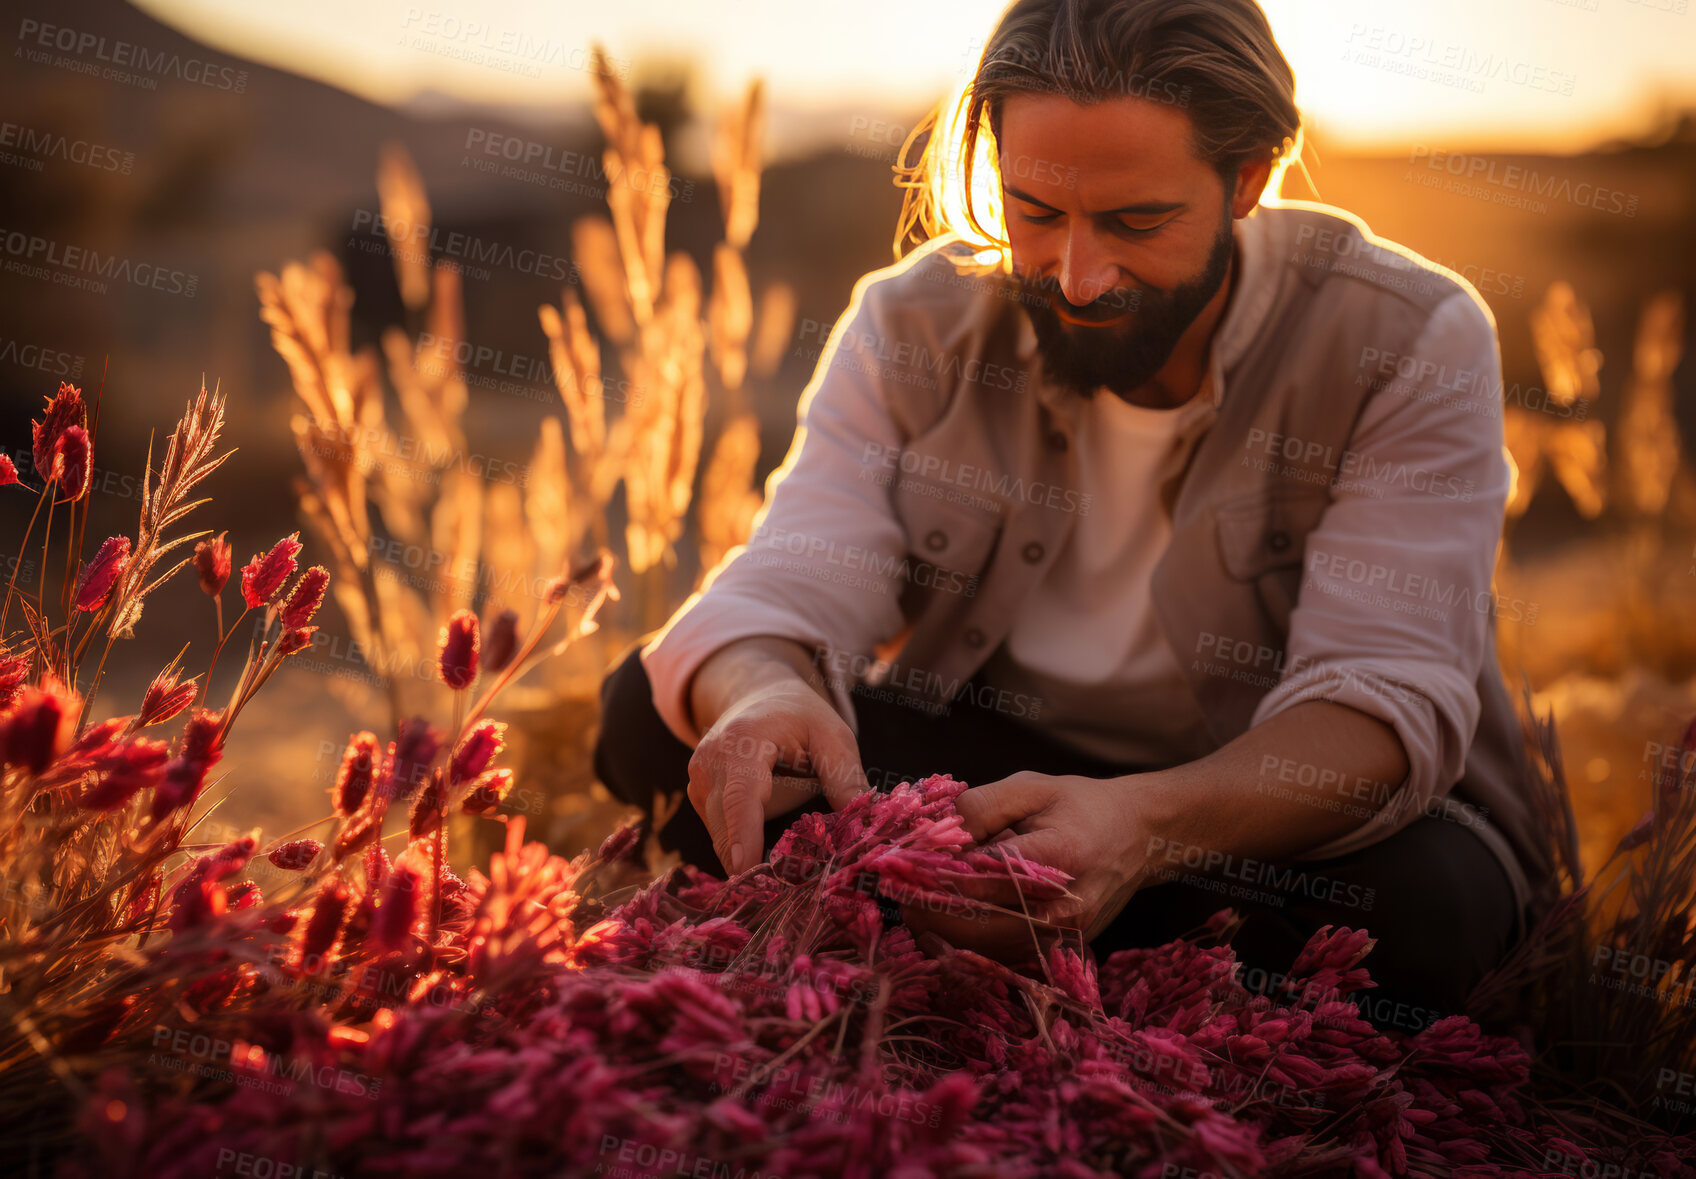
(1219, 803)
(735, 669)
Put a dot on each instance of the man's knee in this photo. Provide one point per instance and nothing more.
(1444, 911)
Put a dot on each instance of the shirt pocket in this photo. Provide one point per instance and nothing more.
(1263, 538)
(949, 545)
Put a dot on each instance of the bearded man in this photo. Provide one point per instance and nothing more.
(1162, 517)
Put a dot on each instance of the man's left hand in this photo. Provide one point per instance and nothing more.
(1087, 827)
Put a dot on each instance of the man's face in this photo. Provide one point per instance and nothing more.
(1120, 234)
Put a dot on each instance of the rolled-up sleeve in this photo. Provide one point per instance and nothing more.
(1396, 593)
(822, 563)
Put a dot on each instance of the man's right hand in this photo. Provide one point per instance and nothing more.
(764, 711)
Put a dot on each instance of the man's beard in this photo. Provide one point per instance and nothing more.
(1122, 356)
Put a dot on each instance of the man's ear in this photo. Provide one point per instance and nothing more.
(1251, 182)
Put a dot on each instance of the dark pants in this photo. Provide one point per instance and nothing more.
(1433, 895)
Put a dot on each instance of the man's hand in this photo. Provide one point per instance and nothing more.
(1087, 827)
(730, 775)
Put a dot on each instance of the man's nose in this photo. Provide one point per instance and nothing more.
(1086, 274)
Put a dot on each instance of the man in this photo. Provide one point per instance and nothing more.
(1174, 541)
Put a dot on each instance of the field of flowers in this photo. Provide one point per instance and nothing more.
(298, 1005)
(410, 984)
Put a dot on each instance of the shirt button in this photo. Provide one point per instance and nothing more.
(1056, 440)
(974, 637)
(1278, 541)
(1033, 552)
(937, 540)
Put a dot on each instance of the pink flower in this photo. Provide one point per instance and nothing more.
(102, 573)
(212, 564)
(72, 464)
(476, 751)
(295, 640)
(487, 792)
(308, 595)
(426, 815)
(8, 471)
(64, 410)
(38, 727)
(295, 854)
(396, 910)
(353, 779)
(263, 576)
(414, 752)
(13, 670)
(457, 650)
(199, 750)
(322, 927)
(502, 642)
(164, 699)
(123, 770)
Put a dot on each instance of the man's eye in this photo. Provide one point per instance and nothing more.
(1139, 230)
(1037, 218)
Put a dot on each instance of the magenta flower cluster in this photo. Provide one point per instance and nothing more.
(580, 1018)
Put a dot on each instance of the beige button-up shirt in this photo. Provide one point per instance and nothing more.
(1336, 541)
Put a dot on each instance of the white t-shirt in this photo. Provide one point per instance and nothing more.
(1086, 641)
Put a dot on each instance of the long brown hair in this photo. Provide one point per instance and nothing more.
(1215, 59)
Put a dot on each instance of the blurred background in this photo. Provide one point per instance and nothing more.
(157, 157)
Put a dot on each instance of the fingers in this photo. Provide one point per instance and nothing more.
(729, 783)
(996, 806)
(744, 786)
(836, 760)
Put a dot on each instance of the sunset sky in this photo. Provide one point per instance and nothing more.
(1536, 74)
